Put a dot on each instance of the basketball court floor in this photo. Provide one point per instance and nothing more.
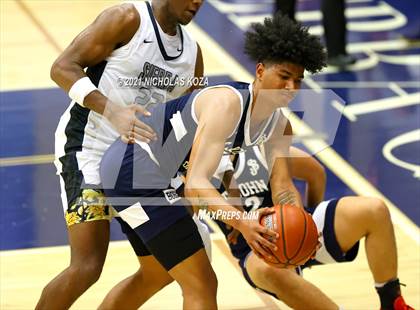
(376, 151)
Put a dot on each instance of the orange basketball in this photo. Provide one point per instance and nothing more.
(298, 236)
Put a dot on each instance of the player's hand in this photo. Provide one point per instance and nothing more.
(125, 121)
(254, 233)
(318, 246)
(233, 236)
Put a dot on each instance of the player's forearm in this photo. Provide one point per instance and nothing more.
(202, 193)
(287, 195)
(65, 74)
(232, 189)
(315, 190)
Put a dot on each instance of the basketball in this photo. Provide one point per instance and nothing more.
(298, 236)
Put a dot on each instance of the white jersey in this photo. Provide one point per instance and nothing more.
(148, 70)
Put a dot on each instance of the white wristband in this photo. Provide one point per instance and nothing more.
(81, 89)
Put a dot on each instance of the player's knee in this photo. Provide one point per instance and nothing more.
(277, 280)
(88, 271)
(163, 281)
(205, 287)
(379, 210)
(156, 281)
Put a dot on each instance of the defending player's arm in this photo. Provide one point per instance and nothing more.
(199, 68)
(207, 150)
(307, 168)
(112, 29)
(277, 153)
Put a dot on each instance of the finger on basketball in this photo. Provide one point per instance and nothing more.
(265, 211)
(267, 243)
(255, 251)
(261, 250)
(268, 232)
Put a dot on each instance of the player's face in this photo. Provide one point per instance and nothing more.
(185, 10)
(280, 76)
(277, 83)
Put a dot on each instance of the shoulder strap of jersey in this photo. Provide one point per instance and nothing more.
(159, 40)
(240, 135)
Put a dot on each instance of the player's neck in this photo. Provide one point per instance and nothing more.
(260, 110)
(166, 22)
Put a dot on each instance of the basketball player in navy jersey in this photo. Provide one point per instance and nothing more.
(134, 55)
(339, 245)
(341, 222)
(193, 132)
(335, 219)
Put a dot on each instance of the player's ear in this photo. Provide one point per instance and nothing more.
(260, 71)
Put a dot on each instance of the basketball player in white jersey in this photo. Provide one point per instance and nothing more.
(373, 223)
(136, 54)
(194, 131)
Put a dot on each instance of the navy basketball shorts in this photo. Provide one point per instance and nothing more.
(330, 251)
(141, 194)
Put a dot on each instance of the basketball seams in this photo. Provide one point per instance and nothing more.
(283, 234)
(274, 256)
(312, 249)
(291, 236)
(304, 234)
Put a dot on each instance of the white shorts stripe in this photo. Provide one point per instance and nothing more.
(322, 254)
(134, 215)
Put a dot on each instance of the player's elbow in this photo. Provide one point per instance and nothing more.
(57, 70)
(318, 174)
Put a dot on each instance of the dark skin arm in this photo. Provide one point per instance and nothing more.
(199, 68)
(113, 28)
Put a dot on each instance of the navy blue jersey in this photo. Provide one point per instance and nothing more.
(175, 124)
(251, 176)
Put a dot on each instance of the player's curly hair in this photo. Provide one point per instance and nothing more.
(279, 39)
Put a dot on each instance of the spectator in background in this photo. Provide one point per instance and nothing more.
(334, 23)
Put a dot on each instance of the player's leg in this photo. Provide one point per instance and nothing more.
(160, 219)
(179, 248)
(197, 280)
(286, 285)
(151, 277)
(369, 218)
(135, 290)
(363, 217)
(285, 7)
(88, 232)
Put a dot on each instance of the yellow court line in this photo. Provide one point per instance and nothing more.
(27, 160)
(38, 24)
